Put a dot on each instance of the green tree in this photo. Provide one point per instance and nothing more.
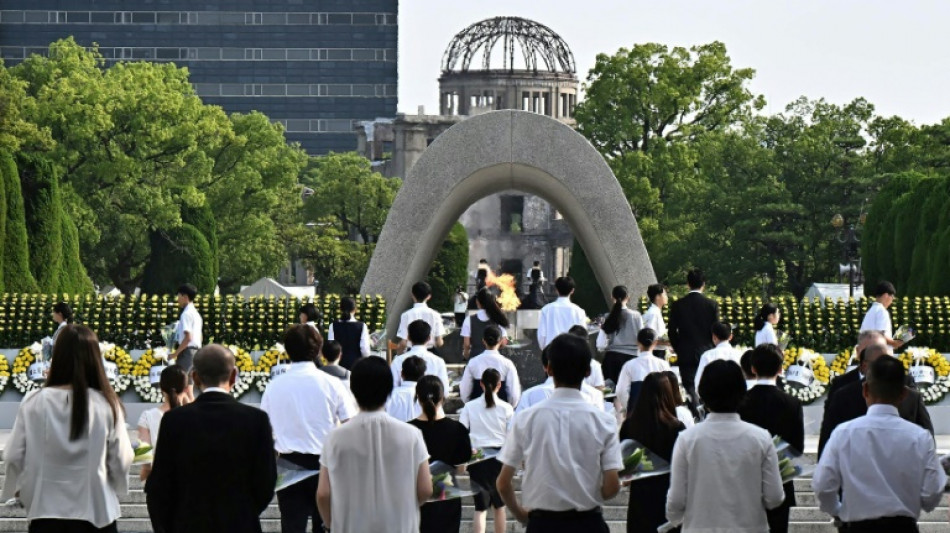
(74, 280)
(44, 212)
(180, 255)
(877, 243)
(203, 220)
(588, 293)
(16, 253)
(449, 268)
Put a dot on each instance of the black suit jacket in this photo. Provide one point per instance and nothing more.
(848, 403)
(781, 414)
(214, 468)
(690, 327)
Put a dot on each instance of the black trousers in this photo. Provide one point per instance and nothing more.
(688, 378)
(54, 525)
(566, 522)
(890, 524)
(613, 364)
(778, 518)
(298, 502)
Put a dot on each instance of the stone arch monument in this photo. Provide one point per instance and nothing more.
(497, 151)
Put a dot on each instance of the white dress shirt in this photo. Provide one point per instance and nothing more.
(70, 479)
(766, 335)
(421, 311)
(882, 464)
(402, 404)
(304, 404)
(653, 319)
(877, 319)
(364, 337)
(151, 420)
(373, 462)
(537, 394)
(487, 426)
(685, 416)
(723, 350)
(461, 303)
(596, 377)
(191, 322)
(466, 330)
(566, 445)
(557, 317)
(482, 362)
(723, 476)
(637, 369)
(435, 366)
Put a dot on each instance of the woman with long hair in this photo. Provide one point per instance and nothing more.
(474, 325)
(765, 323)
(487, 419)
(62, 316)
(682, 410)
(652, 423)
(172, 385)
(352, 334)
(618, 335)
(447, 441)
(69, 454)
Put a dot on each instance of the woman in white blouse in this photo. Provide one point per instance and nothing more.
(63, 316)
(172, 384)
(487, 419)
(765, 323)
(69, 454)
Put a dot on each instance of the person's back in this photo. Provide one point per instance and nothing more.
(558, 316)
(691, 319)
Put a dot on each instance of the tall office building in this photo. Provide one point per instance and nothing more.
(317, 66)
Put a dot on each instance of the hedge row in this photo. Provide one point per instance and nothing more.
(135, 322)
(834, 326)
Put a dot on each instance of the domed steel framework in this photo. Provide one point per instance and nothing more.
(536, 42)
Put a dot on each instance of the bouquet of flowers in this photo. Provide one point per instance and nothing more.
(142, 453)
(639, 462)
(445, 486)
(377, 342)
(169, 334)
(792, 463)
(783, 339)
(905, 334)
(806, 374)
(481, 454)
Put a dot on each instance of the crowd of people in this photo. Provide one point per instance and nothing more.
(363, 432)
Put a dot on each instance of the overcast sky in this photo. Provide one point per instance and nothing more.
(892, 52)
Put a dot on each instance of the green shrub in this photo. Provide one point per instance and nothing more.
(588, 293)
(17, 276)
(179, 255)
(449, 268)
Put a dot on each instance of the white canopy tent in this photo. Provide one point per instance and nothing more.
(835, 291)
(270, 287)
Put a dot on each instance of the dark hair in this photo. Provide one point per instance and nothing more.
(722, 387)
(332, 350)
(722, 330)
(491, 335)
(311, 311)
(646, 337)
(767, 310)
(886, 379)
(371, 382)
(63, 309)
(767, 360)
(537, 263)
(421, 290)
(419, 331)
(188, 290)
(430, 394)
(78, 362)
(413, 368)
(564, 285)
(487, 302)
(302, 343)
(655, 290)
(173, 383)
(695, 278)
(675, 385)
(745, 362)
(544, 356)
(614, 319)
(579, 331)
(347, 307)
(213, 364)
(569, 358)
(655, 405)
(483, 260)
(490, 379)
(884, 287)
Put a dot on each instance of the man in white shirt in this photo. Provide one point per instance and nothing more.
(569, 449)
(374, 471)
(653, 316)
(638, 368)
(419, 332)
(724, 473)
(188, 331)
(537, 394)
(421, 293)
(877, 317)
(885, 468)
(558, 316)
(469, 388)
(304, 405)
(721, 335)
(402, 404)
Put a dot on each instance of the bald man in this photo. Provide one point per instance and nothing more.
(215, 469)
(848, 402)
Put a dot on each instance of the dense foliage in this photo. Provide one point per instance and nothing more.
(449, 268)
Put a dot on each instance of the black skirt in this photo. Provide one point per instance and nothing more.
(441, 517)
(483, 476)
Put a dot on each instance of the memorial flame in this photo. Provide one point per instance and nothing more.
(508, 299)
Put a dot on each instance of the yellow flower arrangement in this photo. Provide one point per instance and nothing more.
(246, 371)
(932, 393)
(140, 378)
(21, 363)
(266, 363)
(842, 361)
(816, 362)
(123, 361)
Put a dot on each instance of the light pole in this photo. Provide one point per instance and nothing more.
(849, 240)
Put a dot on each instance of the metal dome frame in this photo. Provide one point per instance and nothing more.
(535, 40)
